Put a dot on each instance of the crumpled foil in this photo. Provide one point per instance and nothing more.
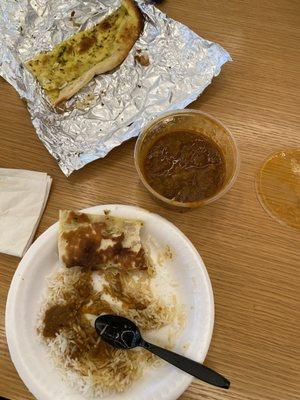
(115, 106)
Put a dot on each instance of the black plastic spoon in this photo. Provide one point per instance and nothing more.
(122, 333)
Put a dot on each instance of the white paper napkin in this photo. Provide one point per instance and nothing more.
(23, 196)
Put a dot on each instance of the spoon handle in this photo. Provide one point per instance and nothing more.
(185, 364)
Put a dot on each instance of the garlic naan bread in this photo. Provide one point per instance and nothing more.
(67, 68)
(100, 241)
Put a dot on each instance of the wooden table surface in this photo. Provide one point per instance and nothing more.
(253, 262)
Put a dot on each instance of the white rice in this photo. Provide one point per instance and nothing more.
(164, 309)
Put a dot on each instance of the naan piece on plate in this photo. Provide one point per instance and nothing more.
(100, 241)
(70, 65)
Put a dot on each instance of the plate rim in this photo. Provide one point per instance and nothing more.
(10, 304)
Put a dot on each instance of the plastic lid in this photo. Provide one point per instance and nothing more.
(278, 186)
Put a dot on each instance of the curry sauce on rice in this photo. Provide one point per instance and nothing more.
(77, 295)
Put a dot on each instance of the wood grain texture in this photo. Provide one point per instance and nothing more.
(253, 262)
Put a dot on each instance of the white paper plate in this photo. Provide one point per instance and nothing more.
(29, 355)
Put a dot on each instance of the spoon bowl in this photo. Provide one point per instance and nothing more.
(119, 332)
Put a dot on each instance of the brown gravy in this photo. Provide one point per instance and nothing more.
(60, 316)
(142, 59)
(185, 166)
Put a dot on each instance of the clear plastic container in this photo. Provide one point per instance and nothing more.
(196, 121)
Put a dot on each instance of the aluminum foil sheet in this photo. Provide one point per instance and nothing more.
(115, 106)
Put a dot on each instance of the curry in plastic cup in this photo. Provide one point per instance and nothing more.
(187, 125)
